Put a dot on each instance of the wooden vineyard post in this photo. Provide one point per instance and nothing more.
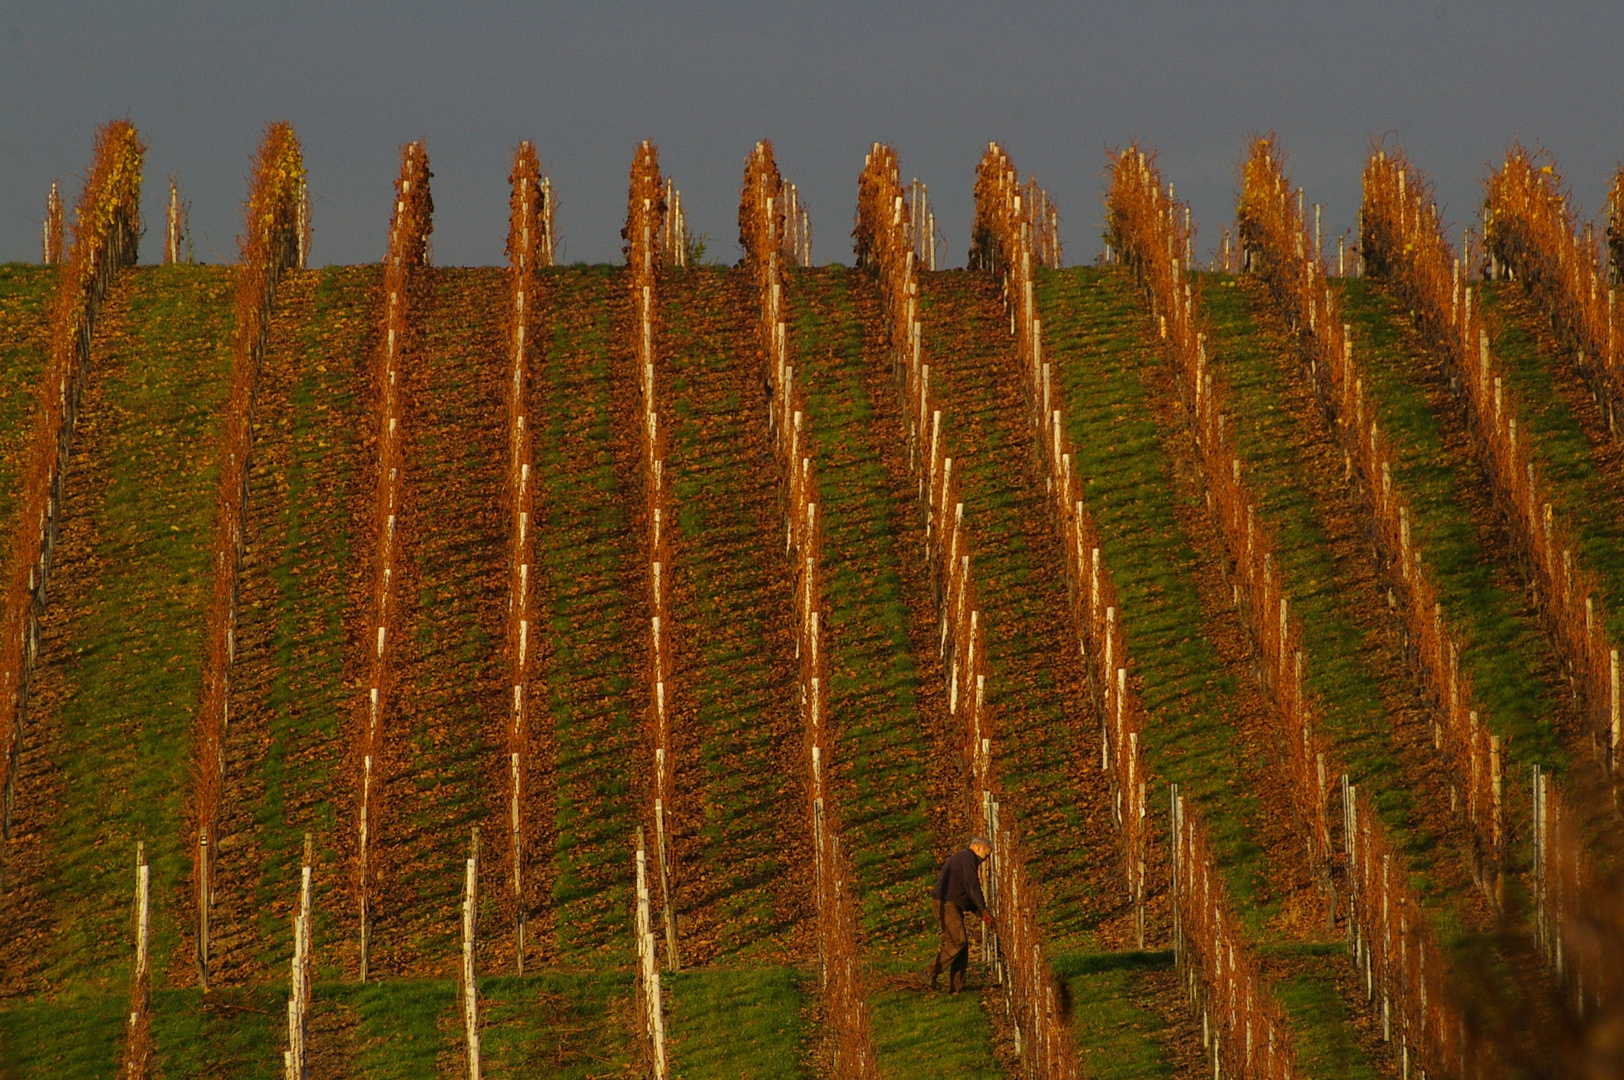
(204, 899)
(173, 224)
(137, 1033)
(1615, 714)
(51, 245)
(548, 234)
(302, 223)
(470, 927)
(294, 1058)
(648, 982)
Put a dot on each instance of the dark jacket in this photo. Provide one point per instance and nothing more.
(959, 884)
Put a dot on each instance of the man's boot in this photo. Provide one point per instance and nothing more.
(933, 973)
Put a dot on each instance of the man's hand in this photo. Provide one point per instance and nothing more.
(985, 918)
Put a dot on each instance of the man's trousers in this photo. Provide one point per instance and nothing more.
(954, 955)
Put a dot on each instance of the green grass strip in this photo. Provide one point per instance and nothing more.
(405, 1026)
(75, 1036)
(1117, 1038)
(230, 1032)
(131, 661)
(726, 1023)
(1325, 1042)
(1503, 649)
(1578, 489)
(927, 1035)
(573, 1025)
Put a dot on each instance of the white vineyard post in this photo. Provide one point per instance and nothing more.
(203, 899)
(302, 225)
(653, 1011)
(140, 982)
(172, 224)
(294, 1060)
(53, 226)
(470, 926)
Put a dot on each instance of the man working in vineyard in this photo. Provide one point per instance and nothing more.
(957, 893)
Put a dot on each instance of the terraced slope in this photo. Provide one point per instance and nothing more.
(108, 758)
(900, 778)
(1511, 662)
(744, 893)
(108, 744)
(1359, 673)
(1209, 730)
(590, 588)
(1579, 458)
(287, 770)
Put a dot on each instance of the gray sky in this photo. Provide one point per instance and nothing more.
(1057, 84)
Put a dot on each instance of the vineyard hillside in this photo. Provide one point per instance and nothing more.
(583, 671)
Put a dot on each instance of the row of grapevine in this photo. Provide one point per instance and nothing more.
(409, 227)
(106, 229)
(1222, 974)
(269, 245)
(646, 236)
(1004, 230)
(1274, 233)
(649, 220)
(1043, 1036)
(1391, 938)
(1404, 242)
(763, 210)
(526, 248)
(1530, 228)
(988, 243)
